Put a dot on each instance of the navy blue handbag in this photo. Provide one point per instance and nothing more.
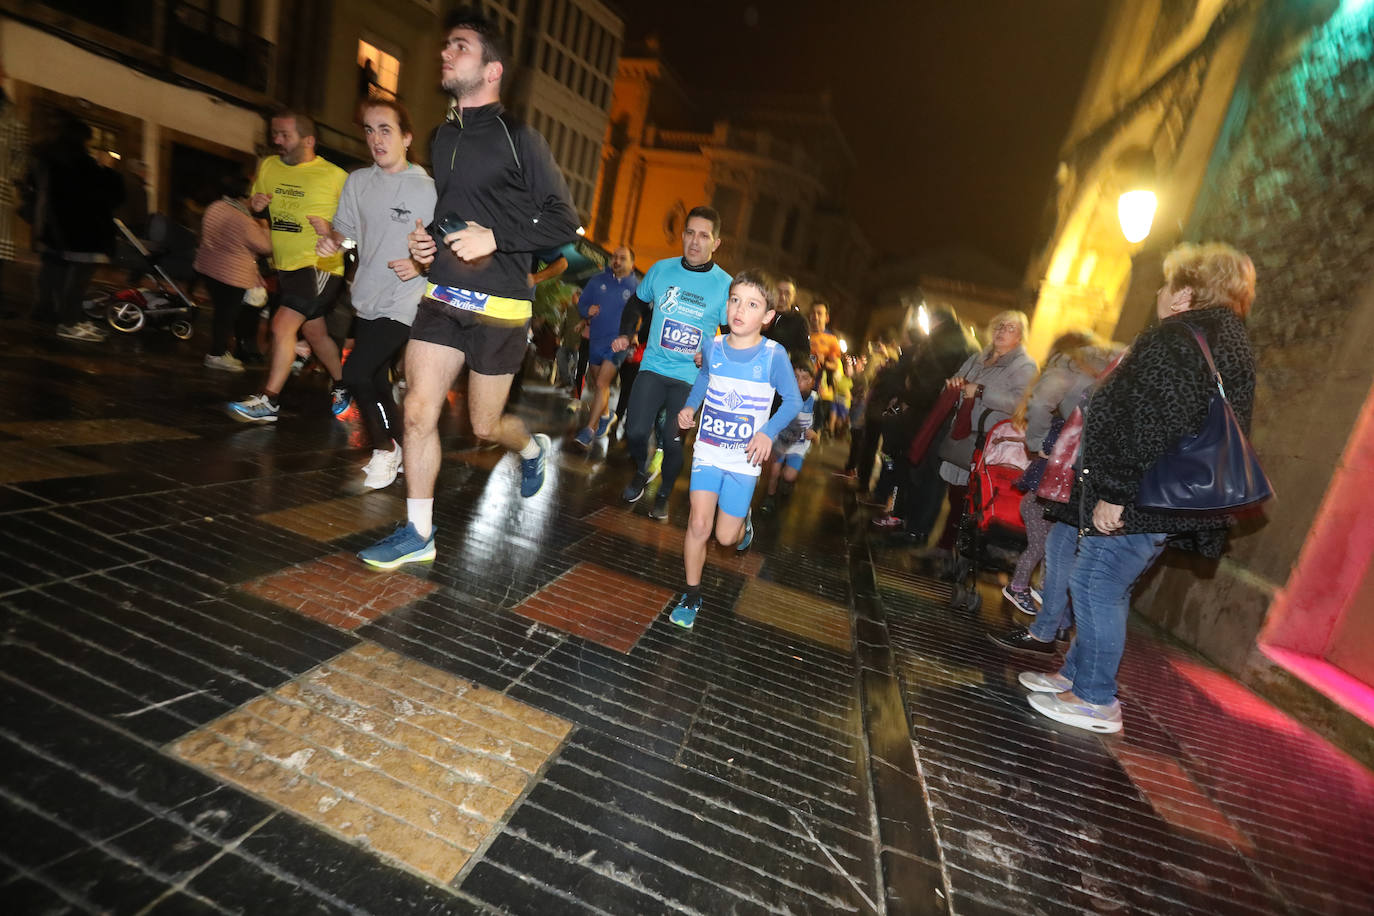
(1215, 471)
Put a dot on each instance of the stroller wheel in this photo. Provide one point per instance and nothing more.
(125, 317)
(182, 330)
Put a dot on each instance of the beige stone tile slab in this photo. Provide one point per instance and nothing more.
(401, 758)
(335, 518)
(796, 612)
(91, 432)
(21, 462)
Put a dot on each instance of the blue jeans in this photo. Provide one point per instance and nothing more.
(1060, 547)
(1100, 584)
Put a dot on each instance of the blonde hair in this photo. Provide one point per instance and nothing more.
(1078, 347)
(1013, 315)
(1218, 275)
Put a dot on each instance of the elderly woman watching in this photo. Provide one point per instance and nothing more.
(995, 380)
(1159, 394)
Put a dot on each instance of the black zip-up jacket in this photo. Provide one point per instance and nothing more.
(492, 170)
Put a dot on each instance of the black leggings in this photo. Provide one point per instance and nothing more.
(231, 317)
(628, 371)
(376, 344)
(652, 393)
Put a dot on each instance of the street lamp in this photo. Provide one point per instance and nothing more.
(1135, 208)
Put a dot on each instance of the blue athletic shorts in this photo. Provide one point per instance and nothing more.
(599, 351)
(841, 412)
(792, 461)
(736, 491)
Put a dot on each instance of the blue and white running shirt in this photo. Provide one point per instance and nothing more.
(735, 389)
(688, 308)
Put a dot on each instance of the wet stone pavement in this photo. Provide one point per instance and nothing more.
(209, 706)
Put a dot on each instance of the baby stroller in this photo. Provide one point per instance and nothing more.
(992, 512)
(130, 308)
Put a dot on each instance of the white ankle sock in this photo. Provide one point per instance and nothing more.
(531, 449)
(420, 512)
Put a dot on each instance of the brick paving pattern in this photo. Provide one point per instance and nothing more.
(177, 735)
(608, 608)
(338, 590)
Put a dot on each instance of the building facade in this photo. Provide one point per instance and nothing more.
(1257, 116)
(775, 167)
(184, 85)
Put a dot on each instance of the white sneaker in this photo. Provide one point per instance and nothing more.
(1095, 717)
(382, 469)
(1044, 683)
(82, 330)
(225, 362)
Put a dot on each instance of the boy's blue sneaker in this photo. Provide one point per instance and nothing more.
(404, 545)
(532, 469)
(604, 425)
(747, 537)
(339, 400)
(583, 437)
(684, 614)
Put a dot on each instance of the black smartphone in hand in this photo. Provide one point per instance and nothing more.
(450, 223)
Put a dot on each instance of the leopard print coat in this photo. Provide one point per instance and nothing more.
(1158, 395)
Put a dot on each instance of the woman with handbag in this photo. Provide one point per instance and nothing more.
(992, 382)
(1158, 398)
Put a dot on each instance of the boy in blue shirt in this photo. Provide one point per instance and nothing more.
(684, 299)
(796, 438)
(739, 375)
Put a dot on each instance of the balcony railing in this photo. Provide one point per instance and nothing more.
(221, 47)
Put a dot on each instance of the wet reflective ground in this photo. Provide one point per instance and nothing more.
(210, 706)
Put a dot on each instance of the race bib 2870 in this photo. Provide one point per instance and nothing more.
(679, 337)
(725, 430)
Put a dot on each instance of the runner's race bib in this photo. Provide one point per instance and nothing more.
(725, 430)
(459, 298)
(678, 337)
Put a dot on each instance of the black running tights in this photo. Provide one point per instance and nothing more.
(376, 344)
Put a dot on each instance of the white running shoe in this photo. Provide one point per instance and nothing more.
(225, 362)
(1095, 717)
(82, 330)
(1039, 682)
(382, 469)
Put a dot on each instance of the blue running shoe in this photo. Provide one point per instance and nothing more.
(747, 537)
(584, 437)
(684, 614)
(340, 400)
(532, 469)
(604, 425)
(404, 545)
(256, 409)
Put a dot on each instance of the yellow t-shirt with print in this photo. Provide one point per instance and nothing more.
(299, 191)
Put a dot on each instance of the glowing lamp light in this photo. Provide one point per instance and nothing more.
(1136, 210)
(113, 155)
(844, 345)
(581, 230)
(923, 319)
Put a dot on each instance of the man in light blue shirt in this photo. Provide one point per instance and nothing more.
(684, 302)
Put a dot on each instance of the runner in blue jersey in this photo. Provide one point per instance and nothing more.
(739, 375)
(684, 300)
(602, 303)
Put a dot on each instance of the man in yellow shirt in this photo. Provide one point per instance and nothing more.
(290, 188)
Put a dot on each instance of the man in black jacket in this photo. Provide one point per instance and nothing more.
(500, 199)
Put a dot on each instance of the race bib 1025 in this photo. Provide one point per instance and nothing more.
(679, 337)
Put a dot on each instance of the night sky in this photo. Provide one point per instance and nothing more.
(955, 109)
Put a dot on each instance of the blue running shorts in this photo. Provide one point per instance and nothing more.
(792, 461)
(736, 491)
(599, 351)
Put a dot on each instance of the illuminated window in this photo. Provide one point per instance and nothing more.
(381, 70)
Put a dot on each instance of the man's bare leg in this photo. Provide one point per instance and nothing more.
(325, 350)
(285, 323)
(431, 370)
(487, 410)
(601, 393)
